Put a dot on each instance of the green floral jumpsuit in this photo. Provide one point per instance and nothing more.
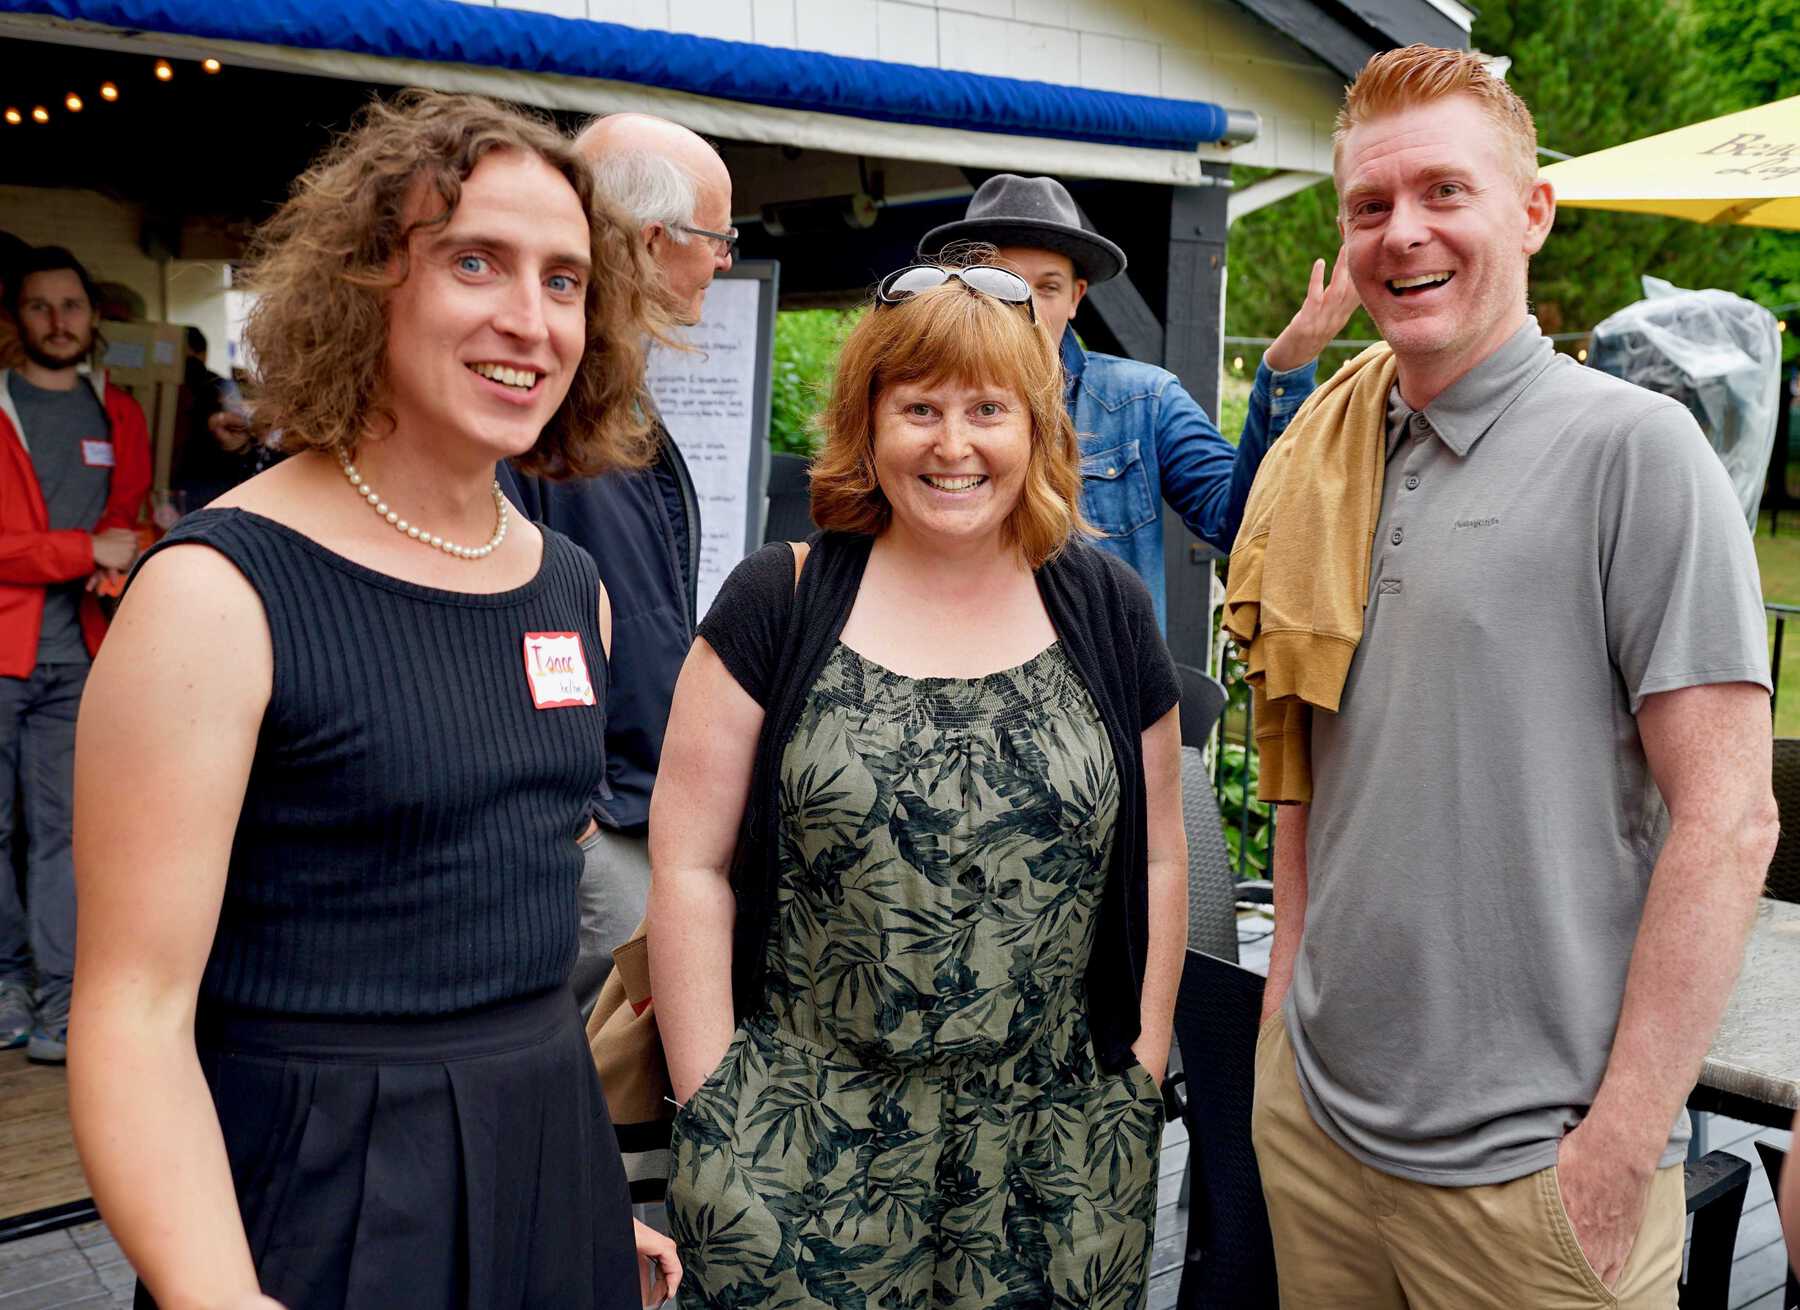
(916, 1118)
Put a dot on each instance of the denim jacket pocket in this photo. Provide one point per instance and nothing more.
(1115, 491)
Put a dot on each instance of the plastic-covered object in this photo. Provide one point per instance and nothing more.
(1718, 354)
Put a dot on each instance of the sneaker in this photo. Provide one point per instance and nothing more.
(48, 1046)
(15, 1014)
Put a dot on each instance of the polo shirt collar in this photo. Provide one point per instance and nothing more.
(1472, 404)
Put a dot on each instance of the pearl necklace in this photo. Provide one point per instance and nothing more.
(416, 533)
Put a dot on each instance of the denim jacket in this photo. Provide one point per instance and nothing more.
(1144, 440)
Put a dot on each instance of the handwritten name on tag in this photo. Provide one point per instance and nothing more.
(97, 454)
(556, 670)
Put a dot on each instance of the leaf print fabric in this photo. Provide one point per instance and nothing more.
(915, 1120)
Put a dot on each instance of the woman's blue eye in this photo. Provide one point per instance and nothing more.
(472, 264)
(563, 283)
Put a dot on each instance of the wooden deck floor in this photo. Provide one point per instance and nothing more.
(84, 1267)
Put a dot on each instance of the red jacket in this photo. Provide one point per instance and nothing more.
(31, 555)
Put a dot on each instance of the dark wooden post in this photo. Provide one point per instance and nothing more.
(1193, 347)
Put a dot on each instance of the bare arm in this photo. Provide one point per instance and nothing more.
(1290, 903)
(1709, 751)
(168, 727)
(709, 752)
(1168, 896)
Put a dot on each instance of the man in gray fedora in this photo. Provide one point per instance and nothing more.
(1144, 440)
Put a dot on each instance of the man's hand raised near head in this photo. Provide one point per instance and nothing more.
(1321, 317)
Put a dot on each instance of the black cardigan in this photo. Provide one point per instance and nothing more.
(774, 639)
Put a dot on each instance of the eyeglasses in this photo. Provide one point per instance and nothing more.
(724, 243)
(1001, 284)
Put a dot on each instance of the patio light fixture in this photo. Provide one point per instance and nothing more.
(72, 103)
(163, 71)
(211, 65)
(40, 115)
(13, 116)
(108, 92)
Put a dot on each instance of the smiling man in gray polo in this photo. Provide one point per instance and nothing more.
(1508, 920)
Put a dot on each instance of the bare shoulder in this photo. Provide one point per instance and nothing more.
(189, 614)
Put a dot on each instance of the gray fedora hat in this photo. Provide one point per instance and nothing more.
(1009, 210)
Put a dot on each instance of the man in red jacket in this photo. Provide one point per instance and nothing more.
(74, 470)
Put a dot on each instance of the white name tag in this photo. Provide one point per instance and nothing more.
(557, 670)
(97, 454)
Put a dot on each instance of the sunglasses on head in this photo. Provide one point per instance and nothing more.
(1001, 284)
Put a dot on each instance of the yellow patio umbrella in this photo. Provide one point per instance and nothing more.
(1741, 168)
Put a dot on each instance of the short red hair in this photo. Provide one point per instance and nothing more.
(1420, 74)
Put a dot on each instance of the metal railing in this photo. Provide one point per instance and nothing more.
(1239, 811)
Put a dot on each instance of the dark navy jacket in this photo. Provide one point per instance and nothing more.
(643, 530)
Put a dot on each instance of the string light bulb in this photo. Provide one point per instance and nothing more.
(40, 115)
(13, 116)
(211, 65)
(1237, 364)
(72, 103)
(1581, 355)
(163, 71)
(108, 92)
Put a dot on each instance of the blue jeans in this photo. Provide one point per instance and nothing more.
(37, 758)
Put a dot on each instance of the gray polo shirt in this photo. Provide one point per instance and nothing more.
(1554, 545)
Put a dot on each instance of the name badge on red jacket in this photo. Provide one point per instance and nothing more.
(97, 454)
(557, 670)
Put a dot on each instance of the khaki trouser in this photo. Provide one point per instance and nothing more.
(1349, 1237)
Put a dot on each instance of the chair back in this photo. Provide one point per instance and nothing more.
(1784, 869)
(1202, 702)
(790, 500)
(1230, 1260)
(1212, 899)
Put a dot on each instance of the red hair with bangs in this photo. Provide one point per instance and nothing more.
(950, 333)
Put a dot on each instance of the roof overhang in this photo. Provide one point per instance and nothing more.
(1345, 33)
(725, 88)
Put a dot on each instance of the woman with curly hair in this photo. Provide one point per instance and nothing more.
(925, 800)
(330, 767)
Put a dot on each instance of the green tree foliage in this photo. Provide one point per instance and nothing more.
(1752, 48)
(1595, 75)
(806, 351)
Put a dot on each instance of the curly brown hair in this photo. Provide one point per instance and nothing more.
(323, 266)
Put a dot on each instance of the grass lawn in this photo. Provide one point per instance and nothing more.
(1779, 560)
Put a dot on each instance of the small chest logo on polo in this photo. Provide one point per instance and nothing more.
(556, 670)
(1461, 524)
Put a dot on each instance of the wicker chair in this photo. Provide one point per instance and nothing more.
(1784, 869)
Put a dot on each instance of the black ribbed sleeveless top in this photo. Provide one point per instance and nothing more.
(407, 840)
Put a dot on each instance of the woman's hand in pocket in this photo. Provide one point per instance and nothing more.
(659, 1267)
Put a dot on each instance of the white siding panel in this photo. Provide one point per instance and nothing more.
(1103, 62)
(837, 27)
(773, 23)
(727, 19)
(1050, 13)
(991, 8)
(908, 33)
(649, 14)
(561, 8)
(1127, 18)
(972, 44)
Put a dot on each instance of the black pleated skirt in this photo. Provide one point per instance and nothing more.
(464, 1161)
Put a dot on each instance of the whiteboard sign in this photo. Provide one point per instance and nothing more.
(714, 400)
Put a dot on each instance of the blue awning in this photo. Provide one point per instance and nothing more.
(445, 31)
